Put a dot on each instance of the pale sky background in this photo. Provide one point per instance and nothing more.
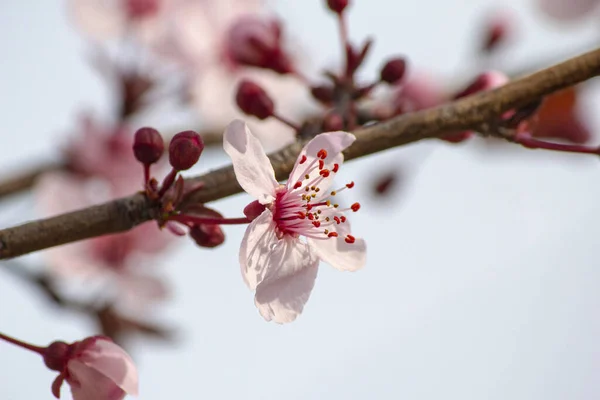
(482, 279)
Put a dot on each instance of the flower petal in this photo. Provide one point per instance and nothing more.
(259, 239)
(285, 290)
(89, 384)
(252, 167)
(339, 254)
(112, 362)
(332, 142)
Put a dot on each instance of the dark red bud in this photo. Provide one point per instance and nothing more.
(253, 100)
(185, 150)
(206, 235)
(457, 137)
(253, 210)
(393, 71)
(56, 355)
(333, 122)
(322, 93)
(337, 6)
(148, 145)
(137, 9)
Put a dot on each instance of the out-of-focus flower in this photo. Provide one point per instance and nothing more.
(567, 10)
(558, 118)
(275, 261)
(95, 369)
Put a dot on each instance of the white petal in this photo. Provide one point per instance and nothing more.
(339, 254)
(567, 9)
(252, 167)
(285, 290)
(332, 142)
(89, 384)
(259, 239)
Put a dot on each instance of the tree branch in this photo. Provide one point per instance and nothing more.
(469, 113)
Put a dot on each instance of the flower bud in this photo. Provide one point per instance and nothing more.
(138, 9)
(207, 235)
(393, 71)
(323, 93)
(148, 145)
(253, 100)
(185, 149)
(337, 5)
(333, 122)
(256, 42)
(56, 355)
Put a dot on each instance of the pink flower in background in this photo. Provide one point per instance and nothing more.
(294, 226)
(103, 151)
(95, 369)
(567, 10)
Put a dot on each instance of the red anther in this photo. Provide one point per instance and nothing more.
(343, 218)
(322, 154)
(316, 224)
(301, 215)
(311, 216)
(321, 164)
(336, 167)
(350, 185)
(332, 234)
(309, 207)
(303, 159)
(355, 207)
(297, 185)
(337, 219)
(350, 239)
(324, 173)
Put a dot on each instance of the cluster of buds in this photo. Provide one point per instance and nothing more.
(184, 152)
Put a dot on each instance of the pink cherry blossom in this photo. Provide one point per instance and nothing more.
(301, 224)
(120, 262)
(95, 369)
(567, 10)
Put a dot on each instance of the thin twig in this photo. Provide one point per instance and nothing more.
(468, 113)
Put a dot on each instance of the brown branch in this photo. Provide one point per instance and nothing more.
(469, 113)
(25, 180)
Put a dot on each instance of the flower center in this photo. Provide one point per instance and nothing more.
(304, 207)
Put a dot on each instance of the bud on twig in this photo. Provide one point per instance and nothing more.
(148, 145)
(253, 100)
(393, 71)
(206, 235)
(185, 150)
(337, 6)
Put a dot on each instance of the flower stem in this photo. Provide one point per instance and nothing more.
(190, 219)
(16, 342)
(529, 142)
(286, 121)
(168, 182)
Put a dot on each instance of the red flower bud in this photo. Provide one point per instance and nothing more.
(337, 5)
(148, 145)
(323, 93)
(185, 149)
(253, 100)
(206, 235)
(333, 122)
(393, 71)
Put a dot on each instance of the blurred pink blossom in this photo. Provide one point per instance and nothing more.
(95, 369)
(567, 10)
(299, 224)
(122, 262)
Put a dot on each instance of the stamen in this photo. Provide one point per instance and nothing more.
(322, 154)
(321, 164)
(350, 239)
(303, 159)
(316, 224)
(332, 234)
(324, 173)
(350, 185)
(355, 207)
(336, 167)
(297, 185)
(337, 219)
